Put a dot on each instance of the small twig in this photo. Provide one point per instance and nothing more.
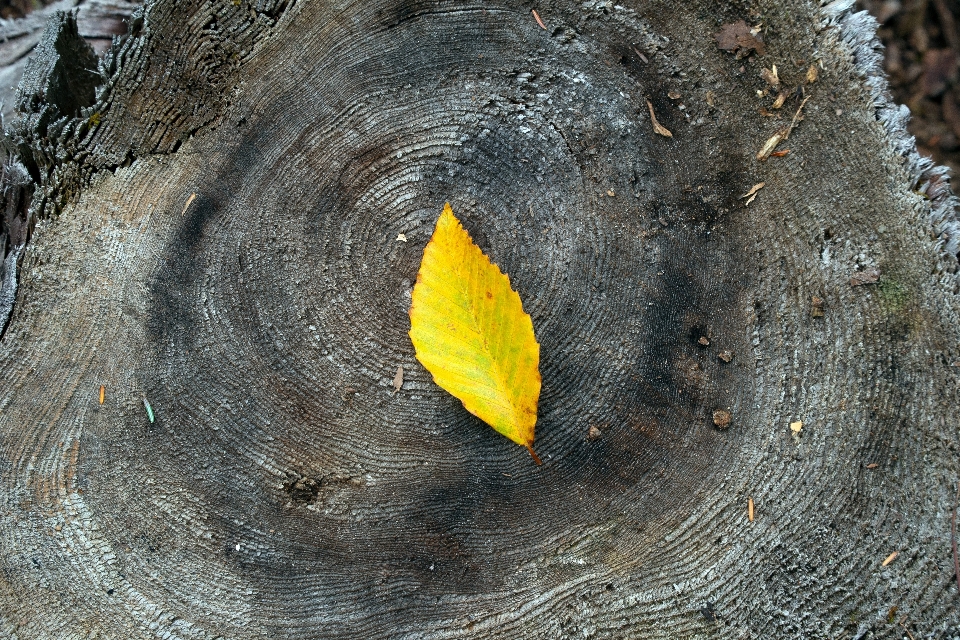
(536, 16)
(953, 538)
(767, 150)
(754, 189)
(796, 118)
(903, 623)
(657, 127)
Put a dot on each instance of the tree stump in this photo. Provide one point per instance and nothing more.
(747, 407)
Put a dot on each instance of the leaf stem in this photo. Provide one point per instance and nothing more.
(533, 453)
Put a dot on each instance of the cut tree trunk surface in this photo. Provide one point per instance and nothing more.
(97, 21)
(216, 216)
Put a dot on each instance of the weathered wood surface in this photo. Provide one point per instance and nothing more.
(285, 492)
(98, 22)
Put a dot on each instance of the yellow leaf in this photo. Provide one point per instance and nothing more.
(470, 331)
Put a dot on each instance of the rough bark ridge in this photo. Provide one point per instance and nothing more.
(221, 241)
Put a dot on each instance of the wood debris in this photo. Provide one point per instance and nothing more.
(797, 117)
(398, 379)
(754, 189)
(593, 433)
(536, 16)
(401, 237)
(872, 465)
(674, 95)
(726, 355)
(867, 276)
(193, 196)
(710, 97)
(781, 98)
(796, 427)
(721, 418)
(780, 154)
(657, 127)
(750, 195)
(890, 558)
(770, 76)
(750, 509)
(740, 39)
(812, 74)
(782, 134)
(704, 341)
(816, 307)
(611, 193)
(909, 635)
(771, 144)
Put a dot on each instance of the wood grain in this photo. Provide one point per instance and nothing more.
(285, 491)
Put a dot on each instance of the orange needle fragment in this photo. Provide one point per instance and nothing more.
(536, 16)
(189, 202)
(103, 392)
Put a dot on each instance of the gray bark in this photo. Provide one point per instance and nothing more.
(216, 234)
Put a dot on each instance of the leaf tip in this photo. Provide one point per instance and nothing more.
(447, 216)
